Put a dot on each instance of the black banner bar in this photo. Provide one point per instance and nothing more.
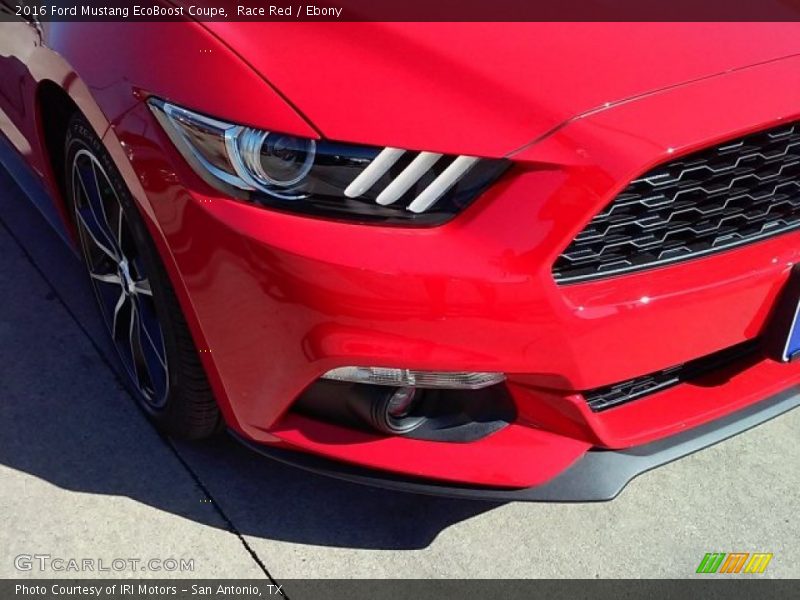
(708, 587)
(401, 10)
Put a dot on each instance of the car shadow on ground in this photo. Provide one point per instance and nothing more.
(66, 418)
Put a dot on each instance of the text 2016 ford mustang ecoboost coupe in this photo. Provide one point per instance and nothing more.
(511, 261)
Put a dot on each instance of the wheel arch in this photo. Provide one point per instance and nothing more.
(68, 81)
(55, 107)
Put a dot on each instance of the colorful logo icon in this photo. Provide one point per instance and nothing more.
(734, 562)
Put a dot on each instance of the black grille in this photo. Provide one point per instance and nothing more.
(621, 393)
(735, 193)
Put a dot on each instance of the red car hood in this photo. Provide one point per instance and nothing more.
(485, 89)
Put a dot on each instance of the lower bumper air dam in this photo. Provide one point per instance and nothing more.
(600, 475)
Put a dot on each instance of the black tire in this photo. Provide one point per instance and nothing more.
(174, 393)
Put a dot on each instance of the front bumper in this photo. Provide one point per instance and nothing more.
(275, 300)
(599, 476)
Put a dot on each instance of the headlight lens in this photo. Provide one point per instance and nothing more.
(325, 178)
(272, 161)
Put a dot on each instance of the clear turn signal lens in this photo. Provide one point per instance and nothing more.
(453, 380)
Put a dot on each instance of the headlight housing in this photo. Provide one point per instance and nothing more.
(326, 178)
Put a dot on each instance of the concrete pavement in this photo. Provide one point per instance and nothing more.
(84, 475)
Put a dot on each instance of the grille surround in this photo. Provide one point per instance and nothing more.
(719, 198)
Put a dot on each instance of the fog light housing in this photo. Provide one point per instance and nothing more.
(404, 378)
(444, 415)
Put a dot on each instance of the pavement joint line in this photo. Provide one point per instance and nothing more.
(166, 440)
(231, 527)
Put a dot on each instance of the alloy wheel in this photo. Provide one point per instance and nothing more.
(119, 279)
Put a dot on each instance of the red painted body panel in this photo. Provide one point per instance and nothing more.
(279, 299)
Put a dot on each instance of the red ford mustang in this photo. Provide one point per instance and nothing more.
(510, 261)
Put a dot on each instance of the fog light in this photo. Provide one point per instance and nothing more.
(405, 378)
(401, 402)
(389, 410)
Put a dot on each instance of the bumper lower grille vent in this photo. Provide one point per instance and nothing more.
(732, 194)
(610, 396)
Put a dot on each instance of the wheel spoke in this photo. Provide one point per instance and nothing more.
(120, 220)
(93, 235)
(111, 278)
(134, 344)
(151, 345)
(105, 224)
(116, 315)
(150, 331)
(94, 204)
(143, 287)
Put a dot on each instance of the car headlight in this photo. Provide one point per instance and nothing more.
(326, 178)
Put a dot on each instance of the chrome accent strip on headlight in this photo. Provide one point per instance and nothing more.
(409, 176)
(377, 169)
(442, 183)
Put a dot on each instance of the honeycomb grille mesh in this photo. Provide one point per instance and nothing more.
(735, 193)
